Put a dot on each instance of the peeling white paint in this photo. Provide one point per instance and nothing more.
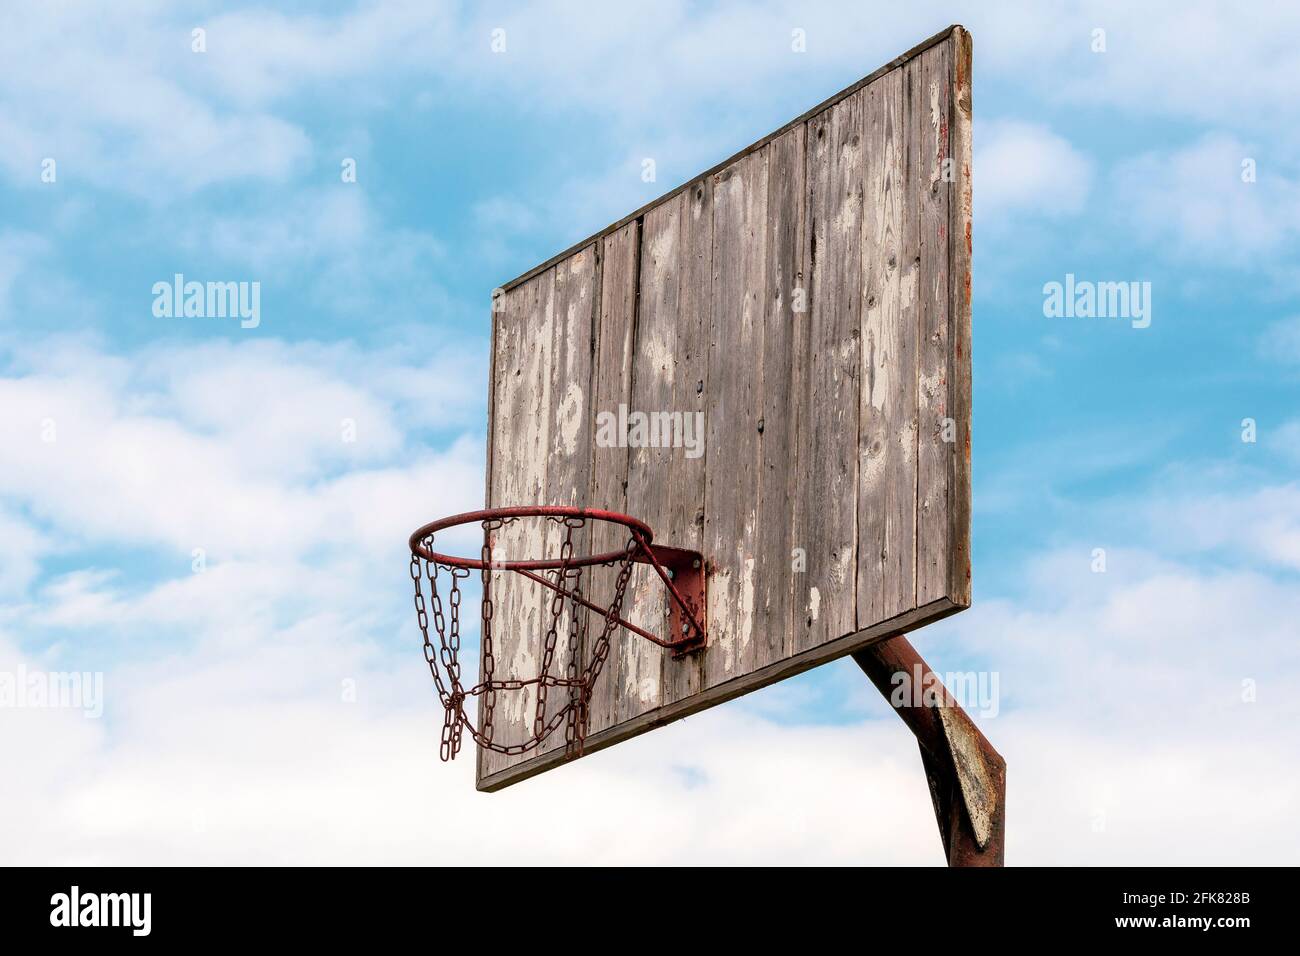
(842, 570)
(721, 609)
(663, 245)
(814, 603)
(907, 287)
(648, 690)
(534, 429)
(845, 222)
(659, 356)
(907, 440)
(570, 418)
(747, 602)
(930, 384)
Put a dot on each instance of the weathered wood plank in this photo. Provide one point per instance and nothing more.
(508, 403)
(568, 468)
(685, 529)
(930, 76)
(651, 455)
(521, 444)
(959, 393)
(787, 255)
(887, 426)
(612, 387)
(826, 594)
(734, 412)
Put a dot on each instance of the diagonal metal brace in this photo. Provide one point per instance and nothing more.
(967, 777)
(683, 575)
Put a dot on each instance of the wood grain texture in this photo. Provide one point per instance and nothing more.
(888, 395)
(786, 248)
(521, 449)
(649, 488)
(811, 297)
(827, 414)
(929, 78)
(733, 413)
(612, 386)
(568, 463)
(683, 678)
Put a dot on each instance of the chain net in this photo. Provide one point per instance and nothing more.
(570, 678)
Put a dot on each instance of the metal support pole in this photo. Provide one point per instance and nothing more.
(967, 777)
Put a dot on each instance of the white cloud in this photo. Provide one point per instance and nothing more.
(352, 261)
(1192, 202)
(253, 756)
(1025, 168)
(257, 57)
(239, 450)
(581, 205)
(312, 226)
(735, 53)
(1262, 525)
(192, 119)
(1197, 60)
(103, 91)
(24, 547)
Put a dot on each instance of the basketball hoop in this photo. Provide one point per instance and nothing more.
(681, 571)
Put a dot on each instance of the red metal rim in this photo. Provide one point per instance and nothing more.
(640, 528)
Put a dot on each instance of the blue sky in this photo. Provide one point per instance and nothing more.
(225, 735)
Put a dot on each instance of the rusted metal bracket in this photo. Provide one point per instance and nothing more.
(682, 572)
(967, 777)
(683, 575)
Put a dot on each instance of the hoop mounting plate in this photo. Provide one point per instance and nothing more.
(689, 579)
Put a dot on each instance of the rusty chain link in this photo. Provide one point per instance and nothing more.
(444, 660)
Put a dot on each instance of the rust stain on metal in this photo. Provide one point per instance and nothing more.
(973, 775)
(967, 777)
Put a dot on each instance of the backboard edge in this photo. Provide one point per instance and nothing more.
(737, 687)
(953, 30)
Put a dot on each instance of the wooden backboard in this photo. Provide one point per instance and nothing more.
(810, 298)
